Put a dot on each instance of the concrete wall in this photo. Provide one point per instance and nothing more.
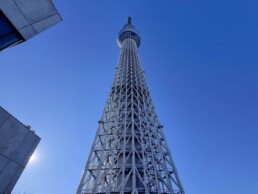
(17, 143)
(30, 17)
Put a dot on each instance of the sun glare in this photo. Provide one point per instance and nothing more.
(33, 158)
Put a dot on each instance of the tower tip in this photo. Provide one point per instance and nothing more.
(129, 20)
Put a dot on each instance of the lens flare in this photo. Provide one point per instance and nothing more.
(33, 158)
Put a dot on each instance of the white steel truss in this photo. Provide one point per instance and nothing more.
(130, 153)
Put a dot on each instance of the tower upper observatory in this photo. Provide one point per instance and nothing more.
(128, 31)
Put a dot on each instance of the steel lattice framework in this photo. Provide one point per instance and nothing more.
(130, 153)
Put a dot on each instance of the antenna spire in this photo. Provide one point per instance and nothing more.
(129, 20)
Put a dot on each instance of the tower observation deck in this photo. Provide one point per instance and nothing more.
(130, 153)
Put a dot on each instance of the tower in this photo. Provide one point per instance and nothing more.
(129, 153)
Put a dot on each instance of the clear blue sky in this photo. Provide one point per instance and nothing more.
(201, 65)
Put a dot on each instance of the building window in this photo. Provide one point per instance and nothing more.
(8, 34)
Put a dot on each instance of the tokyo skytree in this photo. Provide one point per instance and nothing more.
(130, 153)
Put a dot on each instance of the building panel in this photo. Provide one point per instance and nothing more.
(17, 144)
(26, 18)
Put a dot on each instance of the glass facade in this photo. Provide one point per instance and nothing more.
(8, 34)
